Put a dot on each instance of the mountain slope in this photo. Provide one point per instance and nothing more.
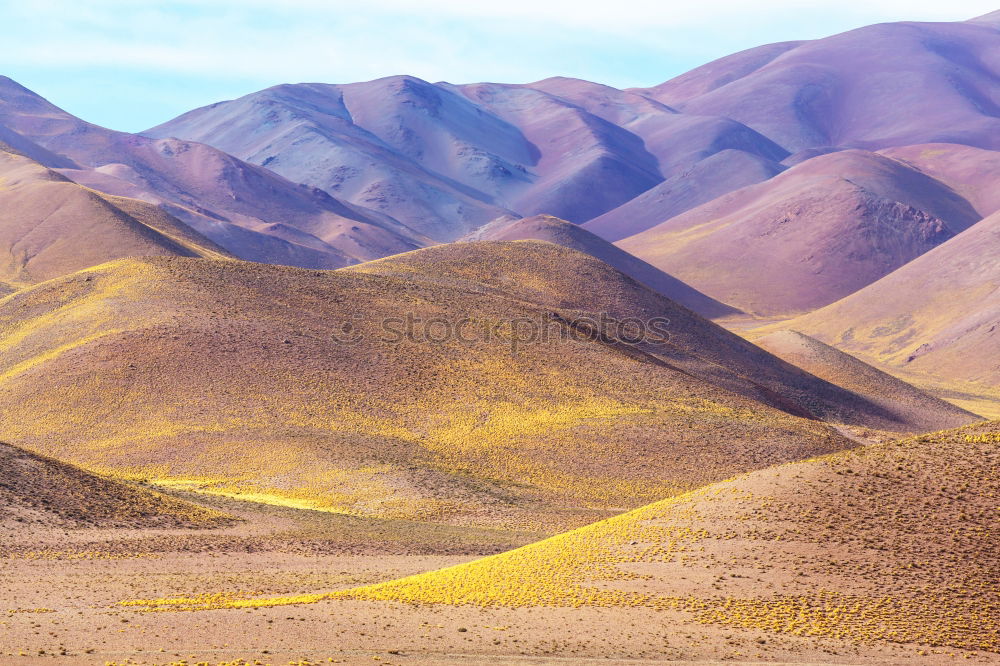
(15, 144)
(889, 542)
(810, 236)
(575, 237)
(531, 412)
(972, 172)
(252, 212)
(50, 226)
(884, 85)
(939, 314)
(925, 411)
(594, 298)
(182, 371)
(677, 141)
(36, 489)
(993, 18)
(716, 74)
(706, 180)
(576, 151)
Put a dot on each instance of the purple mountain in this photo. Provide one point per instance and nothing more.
(446, 159)
(248, 210)
(809, 236)
(884, 85)
(774, 180)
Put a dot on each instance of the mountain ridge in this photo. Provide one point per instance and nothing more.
(552, 229)
(50, 225)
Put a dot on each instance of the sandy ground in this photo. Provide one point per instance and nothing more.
(84, 627)
(60, 606)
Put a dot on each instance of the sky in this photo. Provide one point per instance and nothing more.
(132, 64)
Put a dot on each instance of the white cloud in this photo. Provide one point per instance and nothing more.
(643, 14)
(251, 38)
(597, 15)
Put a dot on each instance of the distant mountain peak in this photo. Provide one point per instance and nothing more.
(992, 18)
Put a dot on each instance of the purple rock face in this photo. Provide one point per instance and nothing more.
(936, 315)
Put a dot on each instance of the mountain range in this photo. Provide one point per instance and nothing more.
(761, 185)
(324, 176)
(722, 348)
(545, 147)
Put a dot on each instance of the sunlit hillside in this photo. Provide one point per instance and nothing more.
(228, 377)
(887, 543)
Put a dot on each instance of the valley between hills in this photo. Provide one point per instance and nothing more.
(424, 373)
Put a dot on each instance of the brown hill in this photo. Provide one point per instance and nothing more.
(925, 411)
(886, 543)
(809, 236)
(12, 142)
(575, 286)
(184, 371)
(51, 226)
(35, 489)
(938, 315)
(573, 236)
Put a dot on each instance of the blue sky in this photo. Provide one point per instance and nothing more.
(131, 64)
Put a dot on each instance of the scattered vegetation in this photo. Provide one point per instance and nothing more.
(35, 488)
(892, 542)
(177, 373)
